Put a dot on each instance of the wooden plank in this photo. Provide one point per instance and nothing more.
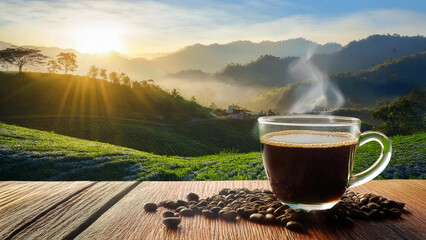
(128, 220)
(71, 216)
(21, 202)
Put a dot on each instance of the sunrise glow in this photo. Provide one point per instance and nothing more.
(97, 40)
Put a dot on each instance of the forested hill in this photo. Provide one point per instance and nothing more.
(45, 94)
(274, 71)
(390, 79)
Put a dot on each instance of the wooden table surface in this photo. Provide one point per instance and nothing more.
(114, 210)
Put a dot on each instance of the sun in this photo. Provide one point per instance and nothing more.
(97, 40)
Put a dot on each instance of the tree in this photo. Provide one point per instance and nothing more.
(402, 117)
(67, 61)
(93, 72)
(53, 66)
(103, 74)
(113, 76)
(125, 80)
(20, 56)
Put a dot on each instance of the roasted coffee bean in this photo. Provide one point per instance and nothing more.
(208, 214)
(267, 191)
(170, 204)
(281, 210)
(400, 205)
(224, 191)
(187, 212)
(372, 205)
(393, 204)
(270, 210)
(232, 191)
(374, 214)
(364, 208)
(215, 210)
(364, 200)
(374, 199)
(171, 222)
(202, 203)
(386, 204)
(181, 203)
(168, 214)
(196, 209)
(393, 213)
(230, 197)
(241, 212)
(229, 216)
(269, 218)
(192, 197)
(294, 226)
(150, 207)
(358, 214)
(257, 217)
(221, 204)
(180, 208)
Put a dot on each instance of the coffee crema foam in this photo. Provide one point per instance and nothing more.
(324, 139)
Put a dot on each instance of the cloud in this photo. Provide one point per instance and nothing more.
(151, 26)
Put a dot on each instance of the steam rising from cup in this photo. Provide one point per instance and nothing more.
(319, 92)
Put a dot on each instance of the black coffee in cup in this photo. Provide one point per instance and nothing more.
(308, 167)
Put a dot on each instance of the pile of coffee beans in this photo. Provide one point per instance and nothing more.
(262, 207)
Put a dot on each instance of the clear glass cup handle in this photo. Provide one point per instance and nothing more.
(380, 164)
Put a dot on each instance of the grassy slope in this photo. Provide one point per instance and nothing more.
(190, 139)
(27, 154)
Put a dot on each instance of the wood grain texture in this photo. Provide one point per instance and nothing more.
(21, 202)
(70, 215)
(128, 220)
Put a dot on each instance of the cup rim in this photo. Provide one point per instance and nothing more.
(337, 120)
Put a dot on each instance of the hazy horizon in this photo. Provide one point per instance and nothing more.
(135, 28)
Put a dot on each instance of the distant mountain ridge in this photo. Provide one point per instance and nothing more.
(212, 58)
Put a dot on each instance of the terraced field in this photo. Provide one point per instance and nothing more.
(28, 154)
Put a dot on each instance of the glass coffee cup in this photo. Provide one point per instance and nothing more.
(309, 158)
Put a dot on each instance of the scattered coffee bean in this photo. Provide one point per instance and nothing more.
(394, 213)
(187, 212)
(400, 205)
(181, 203)
(280, 210)
(150, 207)
(208, 214)
(257, 217)
(168, 214)
(261, 206)
(269, 218)
(192, 197)
(171, 222)
(180, 208)
(229, 216)
(294, 226)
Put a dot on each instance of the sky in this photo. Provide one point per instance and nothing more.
(133, 27)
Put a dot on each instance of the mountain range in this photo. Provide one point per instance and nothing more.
(238, 71)
(392, 78)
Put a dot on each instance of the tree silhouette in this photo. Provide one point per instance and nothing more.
(67, 61)
(20, 56)
(113, 76)
(103, 73)
(53, 66)
(125, 80)
(93, 72)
